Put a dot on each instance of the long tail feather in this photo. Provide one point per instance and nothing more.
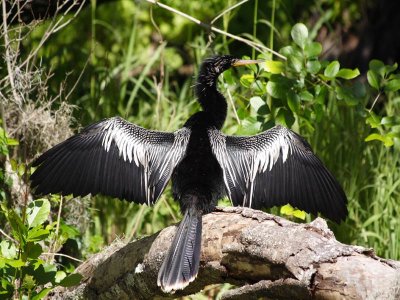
(181, 264)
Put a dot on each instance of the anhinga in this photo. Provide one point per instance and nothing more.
(117, 158)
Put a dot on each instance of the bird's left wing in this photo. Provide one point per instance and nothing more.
(112, 157)
(277, 167)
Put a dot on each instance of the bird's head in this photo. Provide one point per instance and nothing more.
(212, 67)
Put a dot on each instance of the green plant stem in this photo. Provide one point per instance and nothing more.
(253, 51)
(271, 32)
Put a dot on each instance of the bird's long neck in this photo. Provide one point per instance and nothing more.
(211, 100)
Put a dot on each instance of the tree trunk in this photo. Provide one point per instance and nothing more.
(262, 255)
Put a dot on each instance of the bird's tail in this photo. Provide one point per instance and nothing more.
(181, 264)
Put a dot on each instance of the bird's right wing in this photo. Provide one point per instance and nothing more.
(112, 157)
(277, 167)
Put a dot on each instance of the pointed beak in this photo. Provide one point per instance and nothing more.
(243, 62)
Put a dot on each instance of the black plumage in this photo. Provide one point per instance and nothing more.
(116, 158)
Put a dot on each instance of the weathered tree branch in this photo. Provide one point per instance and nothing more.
(264, 255)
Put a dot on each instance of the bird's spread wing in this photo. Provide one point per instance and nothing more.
(112, 157)
(277, 167)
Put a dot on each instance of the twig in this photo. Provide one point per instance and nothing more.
(233, 106)
(228, 10)
(9, 237)
(373, 103)
(61, 254)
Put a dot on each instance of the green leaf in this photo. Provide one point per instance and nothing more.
(71, 280)
(332, 69)
(38, 263)
(2, 263)
(293, 101)
(8, 249)
(373, 120)
(249, 126)
(377, 66)
(60, 275)
(295, 63)
(300, 214)
(290, 211)
(43, 293)
(19, 229)
(347, 94)
(373, 79)
(32, 250)
(259, 87)
(299, 34)
(38, 212)
(313, 49)
(287, 51)
(387, 140)
(276, 89)
(389, 69)
(12, 142)
(348, 73)
(256, 102)
(287, 210)
(285, 117)
(306, 96)
(37, 233)
(228, 77)
(390, 121)
(313, 66)
(69, 231)
(374, 136)
(274, 67)
(246, 80)
(392, 85)
(15, 263)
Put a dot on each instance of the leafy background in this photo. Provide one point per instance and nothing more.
(138, 60)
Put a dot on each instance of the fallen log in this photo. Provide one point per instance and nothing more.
(262, 255)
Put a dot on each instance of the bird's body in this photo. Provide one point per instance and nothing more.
(116, 158)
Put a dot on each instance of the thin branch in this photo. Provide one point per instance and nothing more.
(233, 106)
(373, 103)
(63, 255)
(9, 237)
(228, 10)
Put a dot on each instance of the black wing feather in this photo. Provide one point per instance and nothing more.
(112, 157)
(277, 167)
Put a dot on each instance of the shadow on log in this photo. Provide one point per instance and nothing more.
(262, 255)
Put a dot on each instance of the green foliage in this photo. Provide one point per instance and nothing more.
(22, 267)
(24, 270)
(5, 143)
(382, 78)
(288, 210)
(321, 100)
(295, 90)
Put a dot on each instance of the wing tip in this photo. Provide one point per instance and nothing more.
(172, 287)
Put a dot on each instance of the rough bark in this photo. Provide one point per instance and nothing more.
(263, 255)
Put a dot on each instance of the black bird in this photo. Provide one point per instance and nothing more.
(117, 158)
